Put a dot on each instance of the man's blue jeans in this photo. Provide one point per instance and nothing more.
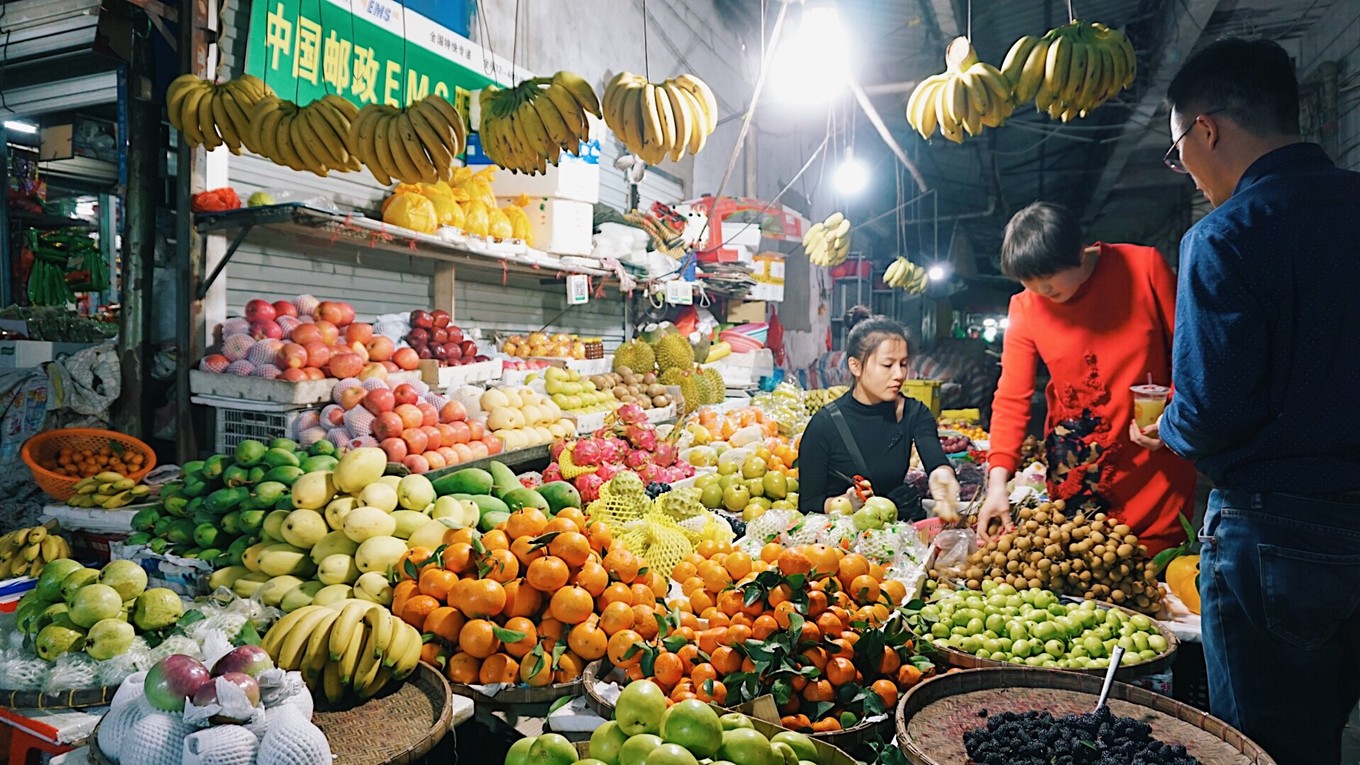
(1280, 585)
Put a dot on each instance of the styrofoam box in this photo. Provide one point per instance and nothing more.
(572, 178)
(560, 226)
(443, 378)
(25, 354)
(260, 389)
(770, 293)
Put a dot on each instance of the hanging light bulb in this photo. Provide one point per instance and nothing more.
(936, 273)
(812, 65)
(852, 175)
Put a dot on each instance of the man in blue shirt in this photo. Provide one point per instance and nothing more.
(1266, 369)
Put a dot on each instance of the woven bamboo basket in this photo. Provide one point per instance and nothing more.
(956, 658)
(398, 727)
(512, 697)
(933, 716)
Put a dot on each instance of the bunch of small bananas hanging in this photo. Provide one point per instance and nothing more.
(1071, 70)
(109, 490)
(416, 144)
(904, 274)
(527, 127)
(350, 646)
(210, 115)
(26, 552)
(656, 121)
(828, 243)
(967, 97)
(314, 138)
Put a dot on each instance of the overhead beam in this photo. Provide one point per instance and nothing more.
(1184, 31)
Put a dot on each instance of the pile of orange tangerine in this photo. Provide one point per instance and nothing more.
(846, 596)
(499, 603)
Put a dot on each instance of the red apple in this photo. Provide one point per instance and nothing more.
(260, 310)
(284, 308)
(388, 425)
(415, 439)
(395, 448)
(433, 438)
(462, 432)
(372, 371)
(380, 348)
(476, 430)
(247, 659)
(318, 355)
(429, 415)
(352, 397)
(265, 328)
(294, 375)
(314, 373)
(441, 318)
(439, 336)
(391, 366)
(453, 351)
(345, 365)
(435, 459)
(416, 464)
(291, 356)
(346, 314)
(329, 310)
(172, 680)
(446, 435)
(406, 358)
(418, 336)
(379, 400)
(493, 445)
(358, 332)
(479, 358)
(405, 393)
(469, 348)
(453, 411)
(424, 352)
(450, 456)
(329, 332)
(306, 334)
(455, 334)
(411, 416)
(422, 318)
(439, 352)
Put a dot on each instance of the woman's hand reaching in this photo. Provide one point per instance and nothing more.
(944, 489)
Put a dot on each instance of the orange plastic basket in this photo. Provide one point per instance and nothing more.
(45, 447)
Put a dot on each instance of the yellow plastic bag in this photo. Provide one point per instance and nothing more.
(412, 211)
(476, 220)
(499, 225)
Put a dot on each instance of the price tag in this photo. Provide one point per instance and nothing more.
(679, 292)
(578, 289)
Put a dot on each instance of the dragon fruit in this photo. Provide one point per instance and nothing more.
(652, 473)
(636, 459)
(589, 486)
(665, 454)
(686, 469)
(552, 473)
(642, 437)
(632, 414)
(608, 470)
(587, 452)
(556, 448)
(613, 449)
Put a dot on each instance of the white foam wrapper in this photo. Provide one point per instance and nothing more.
(232, 703)
(276, 686)
(221, 745)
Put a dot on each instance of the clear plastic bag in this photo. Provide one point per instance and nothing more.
(953, 547)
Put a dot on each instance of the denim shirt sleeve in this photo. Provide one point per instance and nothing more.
(1220, 354)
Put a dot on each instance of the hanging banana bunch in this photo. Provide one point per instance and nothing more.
(657, 121)
(313, 138)
(968, 96)
(1071, 70)
(210, 115)
(526, 128)
(828, 243)
(906, 275)
(413, 145)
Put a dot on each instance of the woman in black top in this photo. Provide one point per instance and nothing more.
(883, 423)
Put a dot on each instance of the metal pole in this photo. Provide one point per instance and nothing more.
(193, 50)
(6, 258)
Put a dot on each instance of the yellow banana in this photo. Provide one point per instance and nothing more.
(1016, 58)
(306, 151)
(573, 117)
(1076, 71)
(665, 120)
(324, 133)
(223, 123)
(378, 624)
(538, 143)
(449, 134)
(361, 133)
(189, 115)
(36, 535)
(342, 634)
(415, 150)
(698, 129)
(331, 686)
(382, 147)
(433, 144)
(554, 124)
(317, 653)
(705, 96)
(1032, 73)
(295, 642)
(236, 109)
(451, 116)
(579, 89)
(349, 658)
(1058, 64)
(211, 140)
(652, 131)
(175, 96)
(683, 121)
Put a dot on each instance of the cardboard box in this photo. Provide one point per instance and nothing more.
(24, 354)
(560, 226)
(769, 268)
(745, 311)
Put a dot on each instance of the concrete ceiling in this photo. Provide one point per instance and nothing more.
(1107, 167)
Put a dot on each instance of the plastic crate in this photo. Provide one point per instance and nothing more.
(925, 391)
(234, 425)
(92, 547)
(1190, 676)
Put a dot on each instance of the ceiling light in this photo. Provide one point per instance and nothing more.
(1005, 322)
(936, 273)
(852, 175)
(989, 322)
(812, 65)
(21, 127)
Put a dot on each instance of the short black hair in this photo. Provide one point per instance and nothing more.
(1251, 82)
(1041, 240)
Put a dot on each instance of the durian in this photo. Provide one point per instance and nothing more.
(636, 355)
(673, 351)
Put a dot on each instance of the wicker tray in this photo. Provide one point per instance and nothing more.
(396, 728)
(511, 697)
(83, 697)
(956, 658)
(933, 716)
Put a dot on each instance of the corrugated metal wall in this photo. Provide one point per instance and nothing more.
(657, 185)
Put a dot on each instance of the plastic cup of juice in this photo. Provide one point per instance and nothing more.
(1148, 403)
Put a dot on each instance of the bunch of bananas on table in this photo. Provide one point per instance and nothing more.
(314, 138)
(968, 96)
(904, 274)
(109, 490)
(25, 552)
(350, 646)
(815, 399)
(1072, 69)
(416, 144)
(656, 121)
(828, 243)
(210, 115)
(527, 127)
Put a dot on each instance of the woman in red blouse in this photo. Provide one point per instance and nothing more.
(1100, 318)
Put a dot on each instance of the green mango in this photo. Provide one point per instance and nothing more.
(214, 466)
(194, 507)
(231, 522)
(158, 545)
(284, 443)
(284, 474)
(268, 492)
(322, 448)
(285, 503)
(210, 555)
(175, 505)
(192, 467)
(225, 500)
(252, 520)
(238, 548)
(280, 457)
(181, 531)
(504, 478)
(466, 481)
(172, 489)
(145, 519)
(491, 520)
(236, 476)
(249, 452)
(319, 463)
(194, 488)
(162, 526)
(206, 534)
(138, 538)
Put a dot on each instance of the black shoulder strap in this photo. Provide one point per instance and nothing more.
(849, 440)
